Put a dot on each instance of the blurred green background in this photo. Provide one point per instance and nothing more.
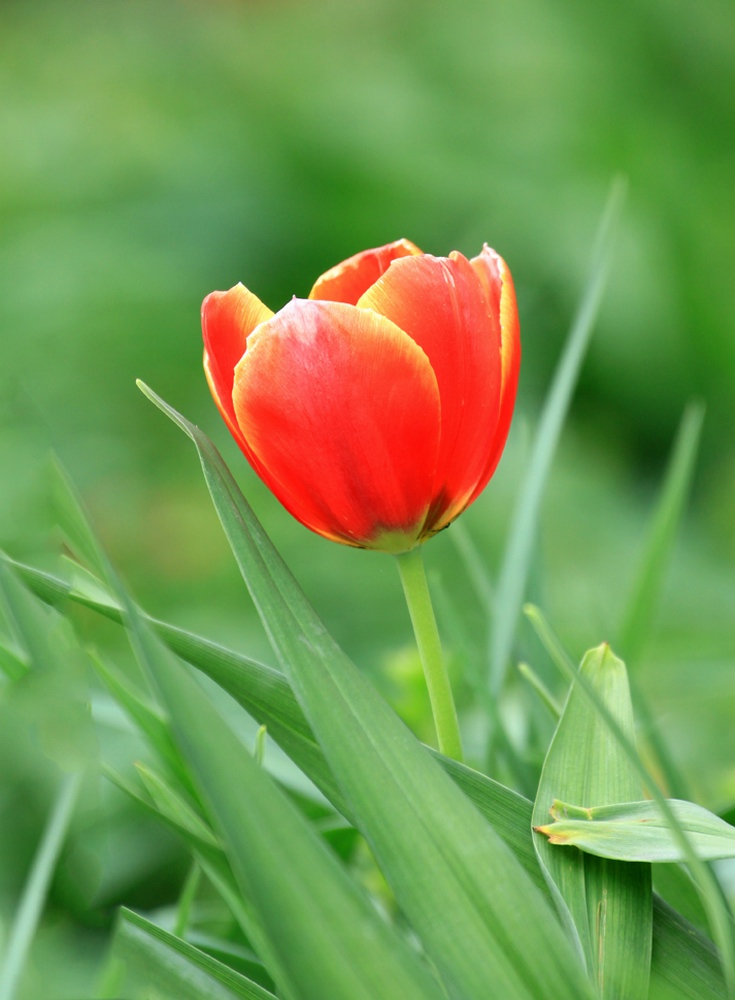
(151, 152)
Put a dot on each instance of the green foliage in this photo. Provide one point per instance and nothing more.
(635, 831)
(606, 906)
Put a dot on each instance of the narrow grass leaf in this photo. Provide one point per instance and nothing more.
(33, 898)
(607, 905)
(159, 960)
(171, 803)
(12, 663)
(147, 717)
(646, 590)
(252, 684)
(515, 566)
(474, 566)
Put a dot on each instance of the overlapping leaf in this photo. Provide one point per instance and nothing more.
(607, 905)
(684, 963)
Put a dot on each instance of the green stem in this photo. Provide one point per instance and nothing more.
(418, 598)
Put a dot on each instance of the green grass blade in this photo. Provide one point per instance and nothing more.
(607, 905)
(514, 570)
(645, 594)
(474, 566)
(718, 915)
(415, 818)
(186, 900)
(172, 804)
(147, 717)
(646, 590)
(165, 962)
(36, 887)
(510, 813)
(636, 831)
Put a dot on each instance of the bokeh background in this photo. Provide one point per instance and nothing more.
(153, 151)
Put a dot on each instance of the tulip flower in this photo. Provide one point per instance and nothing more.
(377, 409)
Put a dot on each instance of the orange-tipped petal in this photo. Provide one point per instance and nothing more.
(228, 319)
(444, 307)
(342, 409)
(349, 280)
(498, 281)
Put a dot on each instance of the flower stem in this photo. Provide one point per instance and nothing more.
(418, 598)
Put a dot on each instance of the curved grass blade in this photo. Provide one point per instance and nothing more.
(478, 901)
(606, 904)
(514, 570)
(719, 917)
(646, 591)
(165, 962)
(685, 964)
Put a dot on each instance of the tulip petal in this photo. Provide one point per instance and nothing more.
(342, 409)
(347, 281)
(496, 277)
(444, 307)
(228, 319)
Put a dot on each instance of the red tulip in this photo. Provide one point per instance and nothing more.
(377, 409)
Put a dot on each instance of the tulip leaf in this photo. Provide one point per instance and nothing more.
(415, 819)
(516, 563)
(324, 937)
(606, 905)
(636, 831)
(317, 931)
(684, 963)
(155, 958)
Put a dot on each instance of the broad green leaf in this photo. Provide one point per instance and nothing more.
(636, 831)
(23, 927)
(477, 901)
(155, 958)
(606, 905)
(678, 972)
(687, 958)
(515, 566)
(718, 914)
